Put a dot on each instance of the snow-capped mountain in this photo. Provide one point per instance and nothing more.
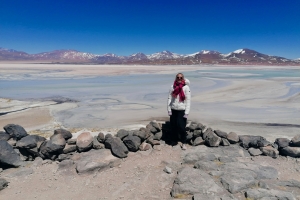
(64, 55)
(137, 56)
(203, 52)
(164, 55)
(250, 56)
(238, 57)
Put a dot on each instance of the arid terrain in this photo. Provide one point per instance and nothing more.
(266, 106)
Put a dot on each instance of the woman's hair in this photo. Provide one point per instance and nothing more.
(180, 74)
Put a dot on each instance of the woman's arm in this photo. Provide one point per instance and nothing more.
(187, 93)
(169, 100)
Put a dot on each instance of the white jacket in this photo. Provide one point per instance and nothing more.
(175, 104)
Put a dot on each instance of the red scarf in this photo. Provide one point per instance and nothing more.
(178, 90)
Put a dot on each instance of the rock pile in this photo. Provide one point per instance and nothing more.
(206, 173)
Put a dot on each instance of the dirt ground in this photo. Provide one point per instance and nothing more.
(140, 176)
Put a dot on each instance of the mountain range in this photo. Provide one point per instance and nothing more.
(238, 57)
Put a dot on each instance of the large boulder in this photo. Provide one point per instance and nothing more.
(150, 128)
(72, 141)
(122, 133)
(225, 142)
(132, 143)
(212, 140)
(70, 148)
(257, 171)
(233, 138)
(254, 151)
(145, 146)
(282, 142)
(270, 151)
(108, 141)
(15, 131)
(54, 146)
(193, 126)
(296, 141)
(261, 193)
(4, 136)
(237, 181)
(97, 144)
(84, 141)
(156, 126)
(118, 148)
(220, 133)
(8, 156)
(191, 158)
(141, 134)
(30, 141)
(197, 133)
(191, 181)
(248, 141)
(12, 142)
(206, 165)
(207, 132)
(198, 141)
(65, 133)
(101, 137)
(290, 151)
(158, 135)
(95, 160)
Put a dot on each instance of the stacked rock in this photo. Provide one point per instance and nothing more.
(16, 146)
(198, 134)
(288, 147)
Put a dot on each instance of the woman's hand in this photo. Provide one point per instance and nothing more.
(170, 113)
(185, 116)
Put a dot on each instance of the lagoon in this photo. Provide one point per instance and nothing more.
(240, 99)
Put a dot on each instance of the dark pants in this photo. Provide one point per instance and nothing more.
(178, 124)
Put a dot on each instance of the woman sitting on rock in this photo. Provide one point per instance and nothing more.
(179, 102)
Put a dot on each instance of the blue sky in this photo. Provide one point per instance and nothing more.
(149, 26)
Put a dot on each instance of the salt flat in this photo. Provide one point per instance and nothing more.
(253, 100)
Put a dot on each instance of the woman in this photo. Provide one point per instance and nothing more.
(179, 103)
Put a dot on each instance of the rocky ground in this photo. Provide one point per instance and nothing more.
(139, 176)
(139, 164)
(142, 175)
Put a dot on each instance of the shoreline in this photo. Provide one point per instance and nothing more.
(44, 123)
